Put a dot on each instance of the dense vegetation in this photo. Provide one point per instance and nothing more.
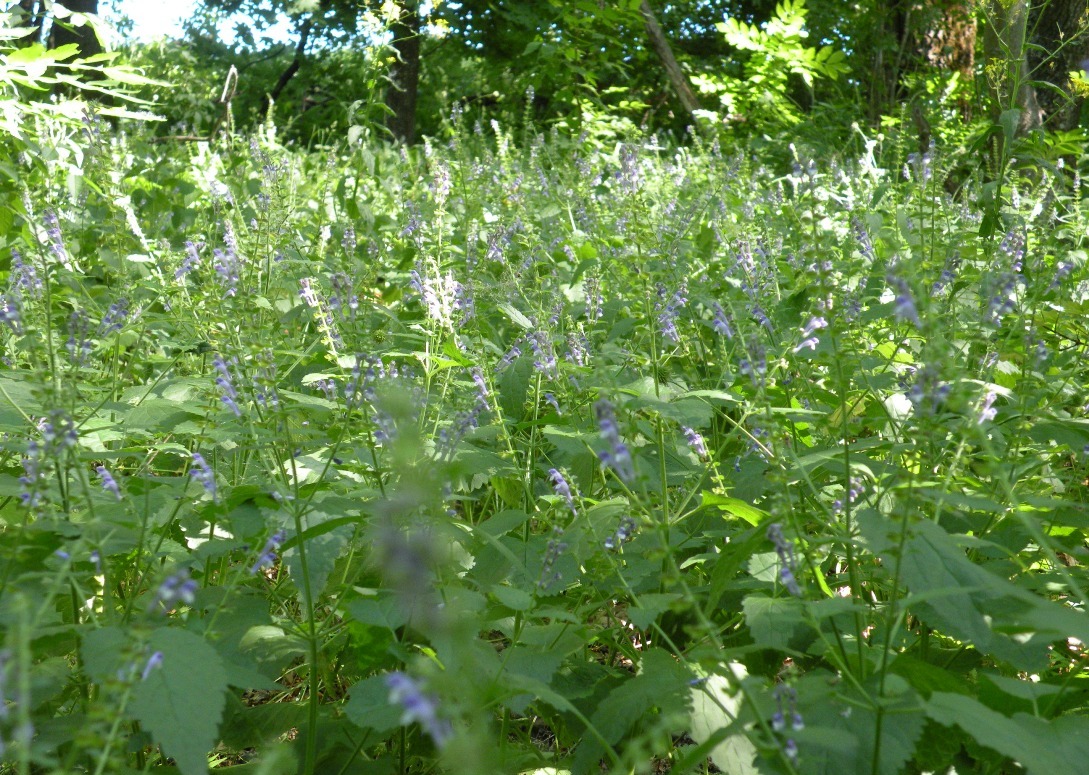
(531, 450)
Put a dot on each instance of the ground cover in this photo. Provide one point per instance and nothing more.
(539, 454)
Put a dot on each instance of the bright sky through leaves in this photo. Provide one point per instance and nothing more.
(152, 19)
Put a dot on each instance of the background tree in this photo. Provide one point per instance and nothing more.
(83, 35)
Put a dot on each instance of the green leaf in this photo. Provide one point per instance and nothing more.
(775, 622)
(1041, 747)
(322, 547)
(101, 650)
(368, 706)
(662, 683)
(966, 601)
(735, 507)
(715, 707)
(181, 702)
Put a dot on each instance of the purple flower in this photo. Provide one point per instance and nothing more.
(986, 410)
(56, 240)
(114, 318)
(24, 277)
(617, 457)
(190, 262)
(696, 442)
(268, 554)
(807, 344)
(721, 323)
(513, 354)
(787, 563)
(544, 355)
(905, 304)
(225, 381)
(109, 484)
(228, 267)
(559, 484)
(667, 312)
(551, 399)
(624, 532)
(201, 472)
(154, 662)
(176, 588)
(418, 707)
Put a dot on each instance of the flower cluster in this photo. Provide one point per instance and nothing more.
(556, 547)
(788, 567)
(668, 311)
(58, 433)
(176, 588)
(191, 260)
(624, 531)
(201, 472)
(444, 297)
(418, 707)
(227, 265)
(617, 456)
(786, 702)
(268, 554)
(225, 381)
(721, 321)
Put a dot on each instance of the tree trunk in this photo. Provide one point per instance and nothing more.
(32, 14)
(1007, 67)
(405, 75)
(662, 48)
(296, 63)
(62, 33)
(1058, 29)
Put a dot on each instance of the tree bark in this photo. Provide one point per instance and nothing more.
(661, 46)
(32, 15)
(62, 34)
(1058, 29)
(1007, 65)
(405, 75)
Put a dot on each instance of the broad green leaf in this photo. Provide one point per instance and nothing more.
(1041, 747)
(662, 683)
(953, 594)
(713, 707)
(368, 706)
(181, 702)
(775, 622)
(734, 507)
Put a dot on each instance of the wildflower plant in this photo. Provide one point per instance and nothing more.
(496, 455)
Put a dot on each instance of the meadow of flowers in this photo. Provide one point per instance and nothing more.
(539, 454)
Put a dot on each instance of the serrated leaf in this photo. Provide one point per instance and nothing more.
(1041, 747)
(368, 706)
(662, 682)
(774, 621)
(181, 702)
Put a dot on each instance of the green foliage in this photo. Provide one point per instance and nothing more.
(555, 454)
(758, 89)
